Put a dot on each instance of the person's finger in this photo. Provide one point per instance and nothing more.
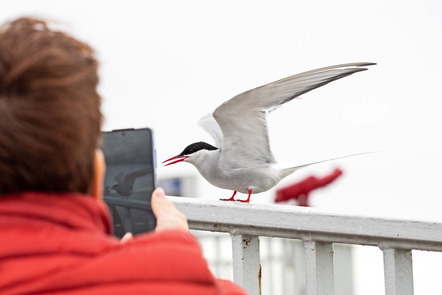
(160, 204)
(168, 217)
(126, 237)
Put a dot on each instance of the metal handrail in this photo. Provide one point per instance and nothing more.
(318, 230)
(303, 223)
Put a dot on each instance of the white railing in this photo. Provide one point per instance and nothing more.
(318, 231)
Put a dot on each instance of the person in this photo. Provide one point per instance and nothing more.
(55, 230)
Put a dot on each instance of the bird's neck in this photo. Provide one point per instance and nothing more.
(206, 159)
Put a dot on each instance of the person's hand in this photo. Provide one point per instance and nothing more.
(126, 238)
(168, 217)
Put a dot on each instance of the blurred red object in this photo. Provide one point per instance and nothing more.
(300, 191)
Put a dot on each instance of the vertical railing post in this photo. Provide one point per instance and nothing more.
(271, 258)
(398, 271)
(218, 257)
(246, 264)
(319, 268)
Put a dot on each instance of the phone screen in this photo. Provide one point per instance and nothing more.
(130, 179)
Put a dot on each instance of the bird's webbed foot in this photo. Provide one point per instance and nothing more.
(248, 198)
(231, 198)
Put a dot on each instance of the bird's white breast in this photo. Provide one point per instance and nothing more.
(258, 179)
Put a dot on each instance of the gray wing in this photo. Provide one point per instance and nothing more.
(209, 124)
(243, 119)
(130, 178)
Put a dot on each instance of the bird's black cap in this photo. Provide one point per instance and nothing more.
(197, 146)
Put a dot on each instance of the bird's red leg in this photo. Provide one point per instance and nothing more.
(248, 198)
(231, 198)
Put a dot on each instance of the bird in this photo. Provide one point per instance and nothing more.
(242, 160)
(125, 183)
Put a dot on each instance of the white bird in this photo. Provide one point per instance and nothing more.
(242, 160)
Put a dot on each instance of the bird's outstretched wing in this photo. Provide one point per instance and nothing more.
(209, 124)
(130, 178)
(243, 121)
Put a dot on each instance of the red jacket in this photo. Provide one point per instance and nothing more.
(61, 244)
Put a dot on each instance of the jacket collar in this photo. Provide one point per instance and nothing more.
(71, 210)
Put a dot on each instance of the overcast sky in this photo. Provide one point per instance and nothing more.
(165, 64)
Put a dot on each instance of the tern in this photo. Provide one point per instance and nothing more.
(242, 160)
(125, 183)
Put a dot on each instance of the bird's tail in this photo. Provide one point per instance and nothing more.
(290, 170)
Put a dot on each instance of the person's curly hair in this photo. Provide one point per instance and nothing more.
(50, 116)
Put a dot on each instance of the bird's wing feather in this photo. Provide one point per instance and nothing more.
(209, 124)
(293, 168)
(242, 119)
(130, 178)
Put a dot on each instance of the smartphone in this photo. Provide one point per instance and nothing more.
(129, 179)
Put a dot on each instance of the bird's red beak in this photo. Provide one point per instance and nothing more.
(176, 158)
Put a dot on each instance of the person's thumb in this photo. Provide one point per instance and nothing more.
(168, 217)
(126, 238)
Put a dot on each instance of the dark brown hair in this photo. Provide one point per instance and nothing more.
(50, 117)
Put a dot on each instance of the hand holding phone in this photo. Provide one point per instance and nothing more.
(168, 217)
(130, 179)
